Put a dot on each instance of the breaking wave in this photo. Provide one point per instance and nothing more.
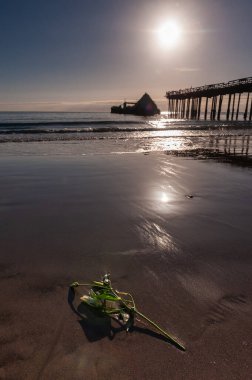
(18, 127)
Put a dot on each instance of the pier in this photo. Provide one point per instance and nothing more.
(220, 101)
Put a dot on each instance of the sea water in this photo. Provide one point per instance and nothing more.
(101, 132)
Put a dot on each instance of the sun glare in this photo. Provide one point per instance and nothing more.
(169, 34)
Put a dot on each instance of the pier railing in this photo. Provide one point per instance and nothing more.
(187, 103)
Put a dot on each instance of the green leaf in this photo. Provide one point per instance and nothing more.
(74, 284)
(98, 283)
(108, 297)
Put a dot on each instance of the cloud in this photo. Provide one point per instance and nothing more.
(88, 102)
(187, 69)
(58, 106)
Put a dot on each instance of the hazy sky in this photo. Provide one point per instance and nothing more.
(90, 54)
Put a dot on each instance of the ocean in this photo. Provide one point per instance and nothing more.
(100, 132)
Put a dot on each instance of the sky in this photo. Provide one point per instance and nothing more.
(86, 55)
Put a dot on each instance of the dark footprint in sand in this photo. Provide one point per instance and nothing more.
(225, 307)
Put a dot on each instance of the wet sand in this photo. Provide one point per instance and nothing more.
(186, 260)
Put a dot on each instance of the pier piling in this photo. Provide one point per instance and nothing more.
(187, 103)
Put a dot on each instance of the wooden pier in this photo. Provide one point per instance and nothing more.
(209, 101)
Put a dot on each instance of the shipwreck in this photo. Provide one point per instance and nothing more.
(145, 106)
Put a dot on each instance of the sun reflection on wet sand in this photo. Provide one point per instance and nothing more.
(164, 144)
(158, 238)
(164, 197)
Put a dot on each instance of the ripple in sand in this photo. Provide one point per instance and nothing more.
(225, 307)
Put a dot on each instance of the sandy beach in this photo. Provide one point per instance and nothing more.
(187, 261)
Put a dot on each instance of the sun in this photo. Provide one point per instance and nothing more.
(169, 34)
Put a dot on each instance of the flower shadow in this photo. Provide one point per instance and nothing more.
(94, 324)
